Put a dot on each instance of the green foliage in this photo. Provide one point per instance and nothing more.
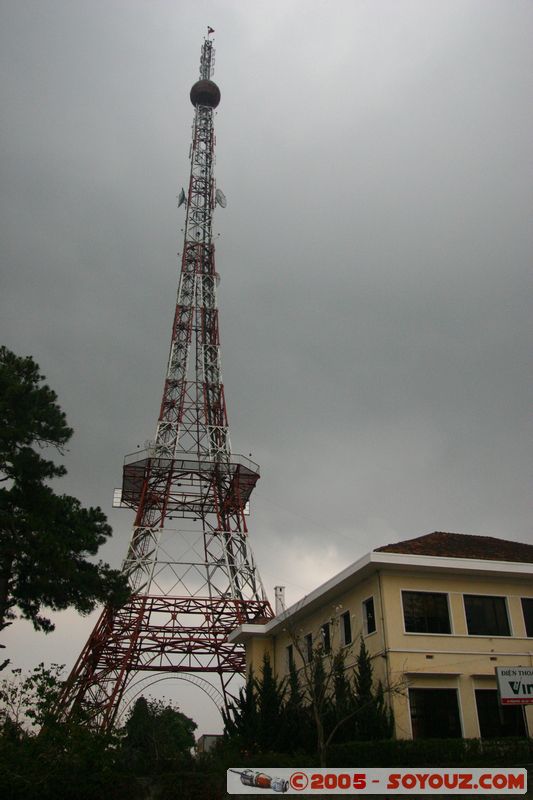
(256, 719)
(363, 675)
(295, 696)
(29, 416)
(157, 735)
(241, 722)
(27, 700)
(432, 753)
(343, 701)
(298, 731)
(270, 695)
(342, 691)
(316, 706)
(69, 762)
(72, 762)
(318, 687)
(373, 719)
(45, 538)
(62, 760)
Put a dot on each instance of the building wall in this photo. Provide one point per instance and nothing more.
(403, 660)
(302, 624)
(347, 602)
(457, 660)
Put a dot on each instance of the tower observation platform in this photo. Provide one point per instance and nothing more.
(146, 471)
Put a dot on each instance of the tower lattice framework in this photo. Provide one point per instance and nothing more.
(189, 562)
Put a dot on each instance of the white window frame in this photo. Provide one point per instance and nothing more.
(510, 635)
(344, 643)
(525, 597)
(459, 705)
(308, 640)
(289, 651)
(325, 625)
(365, 621)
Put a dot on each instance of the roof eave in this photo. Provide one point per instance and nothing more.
(365, 567)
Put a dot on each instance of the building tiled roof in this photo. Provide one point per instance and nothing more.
(461, 545)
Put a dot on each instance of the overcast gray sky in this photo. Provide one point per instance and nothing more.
(375, 257)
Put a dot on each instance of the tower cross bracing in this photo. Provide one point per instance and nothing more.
(189, 562)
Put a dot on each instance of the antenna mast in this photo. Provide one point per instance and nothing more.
(189, 563)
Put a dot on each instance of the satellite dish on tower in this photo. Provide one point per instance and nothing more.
(220, 198)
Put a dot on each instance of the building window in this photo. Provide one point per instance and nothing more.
(308, 647)
(435, 714)
(369, 616)
(527, 610)
(486, 616)
(290, 656)
(426, 612)
(346, 628)
(326, 638)
(495, 720)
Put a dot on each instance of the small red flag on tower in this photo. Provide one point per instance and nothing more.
(210, 30)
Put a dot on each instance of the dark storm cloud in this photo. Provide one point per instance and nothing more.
(375, 252)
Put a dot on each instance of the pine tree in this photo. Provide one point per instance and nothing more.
(157, 734)
(343, 700)
(320, 706)
(297, 727)
(373, 719)
(45, 538)
(256, 719)
(241, 721)
(270, 695)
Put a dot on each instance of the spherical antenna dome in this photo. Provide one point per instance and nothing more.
(205, 93)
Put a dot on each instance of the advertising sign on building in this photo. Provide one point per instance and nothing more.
(515, 685)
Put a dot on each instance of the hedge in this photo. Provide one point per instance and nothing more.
(433, 753)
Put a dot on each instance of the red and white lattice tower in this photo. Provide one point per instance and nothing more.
(189, 561)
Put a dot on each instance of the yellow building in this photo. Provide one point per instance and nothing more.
(437, 613)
